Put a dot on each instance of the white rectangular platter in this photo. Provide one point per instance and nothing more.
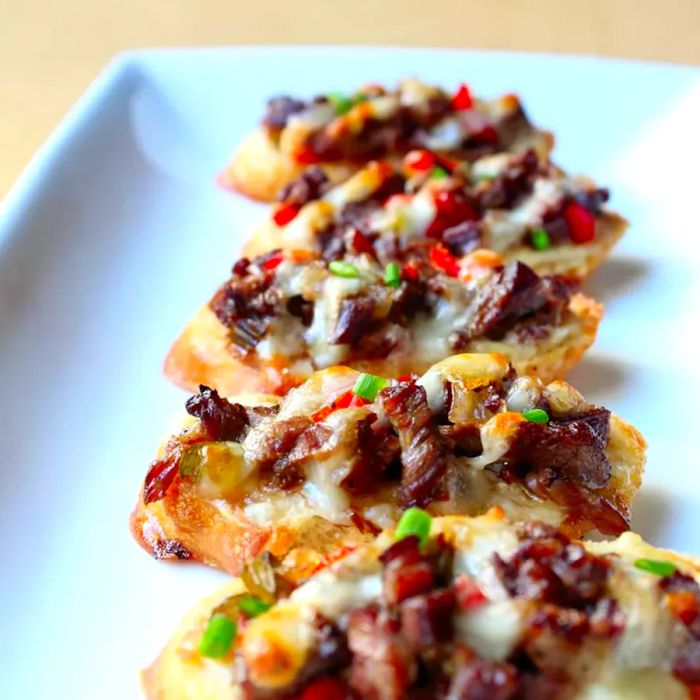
(117, 232)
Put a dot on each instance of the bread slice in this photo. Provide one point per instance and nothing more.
(616, 631)
(411, 327)
(274, 155)
(538, 200)
(323, 469)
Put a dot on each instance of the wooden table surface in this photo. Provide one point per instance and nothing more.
(50, 50)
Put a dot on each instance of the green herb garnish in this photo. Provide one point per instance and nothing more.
(536, 415)
(368, 386)
(540, 239)
(414, 522)
(655, 566)
(340, 268)
(392, 275)
(252, 606)
(218, 636)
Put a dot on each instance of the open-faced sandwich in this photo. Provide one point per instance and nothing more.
(342, 132)
(513, 204)
(341, 457)
(456, 609)
(287, 313)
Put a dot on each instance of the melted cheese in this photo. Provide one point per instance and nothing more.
(333, 595)
(492, 630)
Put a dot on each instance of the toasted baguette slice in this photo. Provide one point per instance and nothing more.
(522, 209)
(279, 151)
(314, 318)
(601, 627)
(322, 469)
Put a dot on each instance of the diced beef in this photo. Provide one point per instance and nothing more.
(592, 200)
(573, 447)
(376, 449)
(288, 447)
(246, 305)
(354, 318)
(462, 238)
(422, 455)
(427, 619)
(301, 308)
(480, 679)
(221, 419)
(279, 109)
(548, 567)
(312, 184)
(513, 295)
(516, 181)
(686, 663)
(383, 666)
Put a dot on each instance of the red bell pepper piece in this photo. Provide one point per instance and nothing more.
(580, 221)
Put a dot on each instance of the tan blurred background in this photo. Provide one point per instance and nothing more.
(50, 50)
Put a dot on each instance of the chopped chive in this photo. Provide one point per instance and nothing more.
(252, 606)
(414, 522)
(439, 173)
(218, 637)
(340, 268)
(368, 386)
(392, 275)
(342, 103)
(536, 415)
(540, 239)
(655, 566)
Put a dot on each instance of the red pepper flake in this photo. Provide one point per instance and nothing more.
(469, 595)
(442, 258)
(347, 400)
(330, 558)
(422, 161)
(462, 99)
(273, 261)
(409, 272)
(160, 477)
(307, 156)
(684, 605)
(580, 221)
(361, 244)
(453, 208)
(364, 526)
(285, 213)
(325, 688)
(405, 378)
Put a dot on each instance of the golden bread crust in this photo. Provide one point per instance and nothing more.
(180, 673)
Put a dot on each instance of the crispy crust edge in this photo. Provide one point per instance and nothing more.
(175, 676)
(259, 170)
(201, 356)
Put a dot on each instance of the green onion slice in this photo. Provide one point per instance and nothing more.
(416, 522)
(252, 606)
(655, 566)
(342, 103)
(368, 386)
(540, 239)
(392, 275)
(218, 637)
(439, 173)
(340, 268)
(536, 415)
